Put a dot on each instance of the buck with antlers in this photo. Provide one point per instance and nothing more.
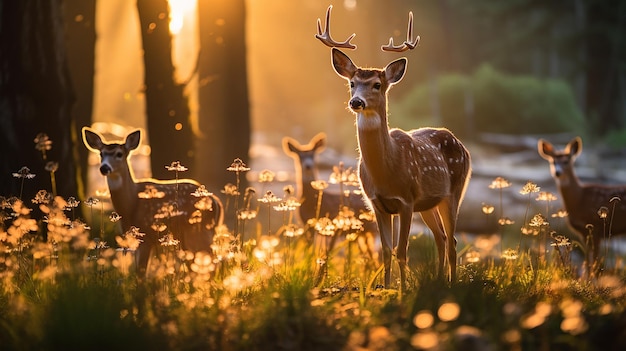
(585, 203)
(307, 171)
(423, 170)
(180, 207)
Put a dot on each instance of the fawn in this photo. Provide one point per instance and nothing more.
(190, 214)
(424, 170)
(584, 201)
(307, 171)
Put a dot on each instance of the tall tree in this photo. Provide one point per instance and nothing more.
(224, 117)
(80, 27)
(167, 109)
(35, 97)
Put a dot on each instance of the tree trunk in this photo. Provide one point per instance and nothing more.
(167, 110)
(80, 28)
(224, 117)
(35, 97)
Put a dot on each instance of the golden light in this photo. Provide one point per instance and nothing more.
(179, 9)
(449, 311)
(423, 320)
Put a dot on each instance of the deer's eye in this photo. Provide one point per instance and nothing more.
(119, 154)
(351, 84)
(377, 85)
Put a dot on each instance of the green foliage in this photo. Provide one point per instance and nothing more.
(500, 103)
(616, 138)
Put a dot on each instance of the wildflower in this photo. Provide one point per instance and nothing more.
(487, 209)
(168, 240)
(266, 176)
(319, 185)
(19, 209)
(292, 231)
(175, 166)
(546, 196)
(131, 239)
(230, 190)
(71, 203)
(204, 204)
(290, 204)
(168, 210)
(325, 226)
(202, 264)
(201, 192)
(367, 216)
(100, 244)
(92, 201)
(499, 183)
(4, 202)
(472, 256)
(196, 217)
(114, 217)
(134, 231)
(269, 198)
(42, 197)
(538, 220)
(103, 193)
(247, 214)
(510, 254)
(151, 192)
(158, 226)
(559, 240)
(529, 187)
(51, 166)
(43, 143)
(505, 221)
(289, 190)
(603, 212)
(346, 221)
(238, 166)
(24, 173)
(561, 213)
(343, 176)
(528, 230)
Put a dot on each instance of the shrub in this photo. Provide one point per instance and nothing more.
(501, 103)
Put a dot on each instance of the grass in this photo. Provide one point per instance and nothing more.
(60, 288)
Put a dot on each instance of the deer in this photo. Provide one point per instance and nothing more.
(307, 171)
(584, 201)
(424, 170)
(192, 213)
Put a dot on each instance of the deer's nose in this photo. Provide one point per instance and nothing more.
(105, 169)
(357, 104)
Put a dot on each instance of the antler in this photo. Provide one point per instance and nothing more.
(409, 43)
(325, 36)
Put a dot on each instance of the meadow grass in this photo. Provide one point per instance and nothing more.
(67, 285)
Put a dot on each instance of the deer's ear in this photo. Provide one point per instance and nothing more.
(290, 146)
(132, 140)
(92, 140)
(575, 147)
(342, 64)
(395, 71)
(545, 149)
(319, 142)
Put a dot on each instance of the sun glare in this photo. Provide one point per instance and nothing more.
(179, 9)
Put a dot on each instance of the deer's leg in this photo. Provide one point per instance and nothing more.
(384, 228)
(433, 221)
(448, 212)
(406, 215)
